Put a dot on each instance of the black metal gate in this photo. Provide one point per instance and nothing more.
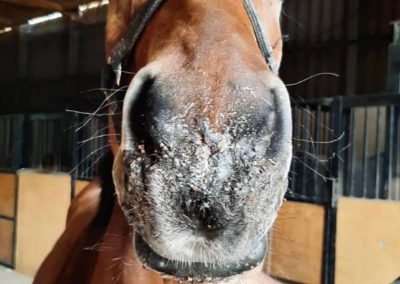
(345, 146)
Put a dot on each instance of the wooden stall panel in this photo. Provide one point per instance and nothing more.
(43, 201)
(6, 241)
(296, 244)
(367, 241)
(7, 194)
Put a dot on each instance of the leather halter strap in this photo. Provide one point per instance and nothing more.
(261, 36)
(128, 41)
(132, 33)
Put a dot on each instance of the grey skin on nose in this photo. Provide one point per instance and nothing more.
(206, 217)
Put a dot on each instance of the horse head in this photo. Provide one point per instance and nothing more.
(202, 165)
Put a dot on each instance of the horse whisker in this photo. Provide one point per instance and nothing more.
(102, 90)
(312, 77)
(325, 178)
(321, 142)
(88, 156)
(90, 113)
(96, 137)
(98, 109)
(94, 163)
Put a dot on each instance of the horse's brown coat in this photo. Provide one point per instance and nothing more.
(86, 253)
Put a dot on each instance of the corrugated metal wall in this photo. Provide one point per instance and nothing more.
(349, 38)
(45, 69)
(51, 66)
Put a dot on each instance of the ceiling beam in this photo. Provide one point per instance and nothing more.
(39, 4)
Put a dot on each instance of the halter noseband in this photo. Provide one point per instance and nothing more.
(121, 50)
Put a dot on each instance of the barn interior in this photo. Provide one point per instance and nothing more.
(341, 64)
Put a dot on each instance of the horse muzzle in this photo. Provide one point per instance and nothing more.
(200, 197)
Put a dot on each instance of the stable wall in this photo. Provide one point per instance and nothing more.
(43, 201)
(296, 243)
(367, 241)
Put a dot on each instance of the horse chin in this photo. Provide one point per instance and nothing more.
(197, 271)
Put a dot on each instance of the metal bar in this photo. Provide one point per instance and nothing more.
(348, 161)
(335, 171)
(328, 269)
(3, 143)
(98, 145)
(372, 100)
(336, 168)
(18, 142)
(389, 152)
(293, 165)
(365, 155)
(56, 145)
(60, 143)
(396, 193)
(317, 137)
(392, 154)
(352, 155)
(16, 191)
(305, 137)
(75, 154)
(378, 193)
(8, 136)
(39, 135)
(26, 141)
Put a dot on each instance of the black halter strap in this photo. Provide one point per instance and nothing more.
(124, 46)
(132, 33)
(261, 36)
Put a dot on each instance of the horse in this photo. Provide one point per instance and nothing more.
(193, 186)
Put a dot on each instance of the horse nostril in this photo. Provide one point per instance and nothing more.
(205, 218)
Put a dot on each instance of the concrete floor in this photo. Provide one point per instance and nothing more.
(9, 276)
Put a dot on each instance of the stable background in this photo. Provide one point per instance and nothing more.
(342, 223)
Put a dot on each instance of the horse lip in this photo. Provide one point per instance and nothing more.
(197, 271)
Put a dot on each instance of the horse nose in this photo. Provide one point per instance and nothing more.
(281, 146)
(206, 218)
(136, 105)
